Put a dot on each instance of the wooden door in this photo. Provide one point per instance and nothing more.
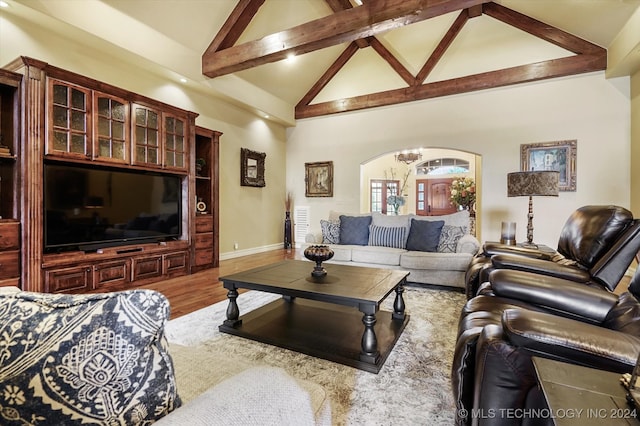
(433, 197)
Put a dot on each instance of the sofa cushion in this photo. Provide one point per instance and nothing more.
(354, 230)
(403, 220)
(460, 218)
(330, 232)
(387, 236)
(449, 237)
(424, 235)
(376, 255)
(435, 261)
(88, 359)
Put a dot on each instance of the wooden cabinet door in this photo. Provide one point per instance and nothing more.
(73, 279)
(433, 197)
(69, 120)
(175, 142)
(146, 135)
(112, 127)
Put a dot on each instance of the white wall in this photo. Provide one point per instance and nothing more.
(492, 124)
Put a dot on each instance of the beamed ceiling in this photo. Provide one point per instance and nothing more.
(348, 56)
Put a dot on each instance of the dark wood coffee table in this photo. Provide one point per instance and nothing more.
(336, 317)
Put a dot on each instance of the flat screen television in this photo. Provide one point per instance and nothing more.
(89, 208)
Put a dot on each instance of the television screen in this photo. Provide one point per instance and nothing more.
(87, 208)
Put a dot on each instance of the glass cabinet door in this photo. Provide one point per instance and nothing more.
(69, 110)
(146, 135)
(174, 142)
(112, 128)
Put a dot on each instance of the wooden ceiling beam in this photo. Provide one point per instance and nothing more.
(337, 65)
(521, 74)
(403, 72)
(340, 5)
(541, 30)
(371, 18)
(442, 47)
(235, 25)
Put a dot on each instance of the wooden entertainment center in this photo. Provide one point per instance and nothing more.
(52, 116)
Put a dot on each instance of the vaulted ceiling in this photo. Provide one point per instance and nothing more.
(350, 56)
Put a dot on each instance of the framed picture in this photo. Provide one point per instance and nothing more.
(560, 156)
(318, 179)
(252, 168)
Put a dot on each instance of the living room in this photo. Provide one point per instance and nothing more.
(599, 110)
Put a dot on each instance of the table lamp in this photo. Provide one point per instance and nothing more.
(529, 184)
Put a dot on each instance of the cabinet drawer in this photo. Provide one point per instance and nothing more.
(147, 267)
(204, 241)
(176, 262)
(111, 273)
(68, 279)
(203, 257)
(9, 236)
(204, 224)
(9, 264)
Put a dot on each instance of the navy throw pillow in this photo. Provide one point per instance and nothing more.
(424, 235)
(354, 230)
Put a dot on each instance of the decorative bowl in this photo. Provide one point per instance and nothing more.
(318, 254)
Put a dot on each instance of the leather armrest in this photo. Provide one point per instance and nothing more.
(567, 298)
(571, 341)
(492, 248)
(544, 267)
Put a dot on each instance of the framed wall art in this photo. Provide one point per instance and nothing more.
(318, 178)
(252, 168)
(560, 156)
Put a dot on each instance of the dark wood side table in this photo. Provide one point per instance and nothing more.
(584, 396)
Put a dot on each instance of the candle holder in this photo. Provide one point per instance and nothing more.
(508, 233)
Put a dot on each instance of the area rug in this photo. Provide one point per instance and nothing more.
(413, 387)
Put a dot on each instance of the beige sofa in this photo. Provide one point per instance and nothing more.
(443, 263)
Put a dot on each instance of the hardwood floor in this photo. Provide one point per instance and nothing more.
(192, 292)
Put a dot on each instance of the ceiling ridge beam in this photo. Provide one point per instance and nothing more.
(541, 30)
(337, 65)
(543, 70)
(442, 47)
(371, 18)
(234, 26)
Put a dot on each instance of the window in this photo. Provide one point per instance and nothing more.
(380, 190)
(443, 166)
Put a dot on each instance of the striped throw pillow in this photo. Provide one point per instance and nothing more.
(387, 236)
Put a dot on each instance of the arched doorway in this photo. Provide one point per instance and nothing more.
(435, 174)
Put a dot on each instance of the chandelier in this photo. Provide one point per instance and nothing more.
(408, 157)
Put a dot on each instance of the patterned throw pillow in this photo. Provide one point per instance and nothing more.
(85, 359)
(354, 230)
(387, 236)
(330, 232)
(449, 238)
(424, 235)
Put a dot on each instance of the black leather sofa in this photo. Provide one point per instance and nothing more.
(518, 315)
(596, 246)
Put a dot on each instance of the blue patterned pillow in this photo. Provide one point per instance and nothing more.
(387, 236)
(330, 232)
(354, 230)
(449, 238)
(424, 235)
(86, 359)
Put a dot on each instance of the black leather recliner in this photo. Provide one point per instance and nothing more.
(519, 315)
(596, 246)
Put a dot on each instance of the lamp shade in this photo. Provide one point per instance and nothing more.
(533, 183)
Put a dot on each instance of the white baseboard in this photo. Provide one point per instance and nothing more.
(246, 252)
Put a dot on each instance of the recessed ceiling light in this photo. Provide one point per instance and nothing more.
(183, 80)
(4, 4)
(291, 57)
